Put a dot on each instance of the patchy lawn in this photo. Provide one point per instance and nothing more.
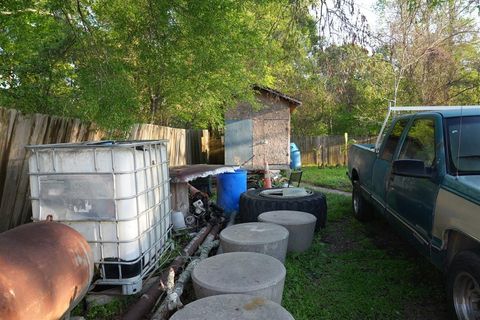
(361, 271)
(329, 177)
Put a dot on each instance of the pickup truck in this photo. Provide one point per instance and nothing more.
(424, 178)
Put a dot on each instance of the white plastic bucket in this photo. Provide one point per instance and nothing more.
(178, 220)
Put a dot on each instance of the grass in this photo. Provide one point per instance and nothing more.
(356, 271)
(329, 177)
(107, 311)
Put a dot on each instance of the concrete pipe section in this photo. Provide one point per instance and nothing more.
(267, 238)
(45, 270)
(232, 306)
(240, 272)
(300, 225)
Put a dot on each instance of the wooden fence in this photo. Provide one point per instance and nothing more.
(18, 130)
(326, 150)
(185, 146)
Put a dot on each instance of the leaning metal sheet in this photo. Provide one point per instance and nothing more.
(192, 172)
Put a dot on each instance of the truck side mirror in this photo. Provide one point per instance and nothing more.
(411, 168)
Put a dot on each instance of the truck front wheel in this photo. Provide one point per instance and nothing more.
(463, 285)
(362, 210)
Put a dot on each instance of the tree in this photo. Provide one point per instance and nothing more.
(430, 49)
(115, 62)
(339, 82)
(168, 62)
(345, 93)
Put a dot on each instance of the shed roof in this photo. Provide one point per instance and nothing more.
(276, 93)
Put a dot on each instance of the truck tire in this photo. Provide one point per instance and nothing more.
(362, 210)
(253, 203)
(463, 285)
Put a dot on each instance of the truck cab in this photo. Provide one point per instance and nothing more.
(424, 178)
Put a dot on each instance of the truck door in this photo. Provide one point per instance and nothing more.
(383, 163)
(411, 200)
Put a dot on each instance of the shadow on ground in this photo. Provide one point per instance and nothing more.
(362, 271)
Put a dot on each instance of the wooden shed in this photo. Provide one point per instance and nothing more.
(256, 135)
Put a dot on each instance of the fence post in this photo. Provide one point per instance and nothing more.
(346, 149)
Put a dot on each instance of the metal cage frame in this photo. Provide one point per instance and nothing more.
(158, 246)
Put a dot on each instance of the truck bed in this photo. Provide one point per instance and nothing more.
(362, 158)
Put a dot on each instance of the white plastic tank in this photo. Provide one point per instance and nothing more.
(116, 194)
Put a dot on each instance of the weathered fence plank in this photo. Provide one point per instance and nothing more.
(18, 130)
(326, 150)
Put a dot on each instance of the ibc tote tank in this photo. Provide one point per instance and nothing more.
(116, 194)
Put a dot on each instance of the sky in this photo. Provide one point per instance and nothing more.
(367, 9)
(364, 7)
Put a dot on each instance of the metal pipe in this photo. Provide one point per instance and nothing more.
(46, 270)
(384, 125)
(208, 244)
(147, 301)
(194, 191)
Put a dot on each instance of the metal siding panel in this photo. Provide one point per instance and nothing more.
(238, 141)
(453, 212)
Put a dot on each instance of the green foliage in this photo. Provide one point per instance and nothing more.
(116, 62)
(342, 88)
(108, 311)
(427, 53)
(50, 63)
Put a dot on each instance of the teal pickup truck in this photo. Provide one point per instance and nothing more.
(424, 178)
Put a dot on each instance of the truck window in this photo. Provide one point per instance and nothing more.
(464, 144)
(392, 140)
(420, 142)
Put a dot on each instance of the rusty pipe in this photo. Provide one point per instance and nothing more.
(146, 302)
(163, 311)
(45, 270)
(193, 191)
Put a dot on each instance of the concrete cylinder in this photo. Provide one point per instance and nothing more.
(267, 238)
(232, 306)
(300, 225)
(240, 272)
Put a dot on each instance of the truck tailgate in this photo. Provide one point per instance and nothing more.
(361, 158)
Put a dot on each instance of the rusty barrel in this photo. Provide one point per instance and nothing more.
(45, 270)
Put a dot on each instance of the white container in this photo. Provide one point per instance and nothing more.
(178, 220)
(116, 194)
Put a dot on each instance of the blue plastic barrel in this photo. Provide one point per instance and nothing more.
(230, 186)
(295, 157)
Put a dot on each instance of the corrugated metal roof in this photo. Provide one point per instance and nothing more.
(191, 172)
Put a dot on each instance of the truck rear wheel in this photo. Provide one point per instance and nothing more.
(463, 285)
(362, 210)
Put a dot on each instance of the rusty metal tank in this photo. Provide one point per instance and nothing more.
(45, 270)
